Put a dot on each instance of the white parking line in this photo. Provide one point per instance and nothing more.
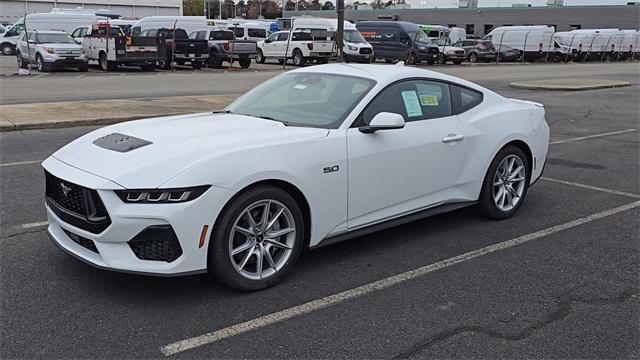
(331, 300)
(31, 225)
(592, 136)
(610, 191)
(21, 163)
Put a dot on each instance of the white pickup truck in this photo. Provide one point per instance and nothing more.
(110, 48)
(305, 45)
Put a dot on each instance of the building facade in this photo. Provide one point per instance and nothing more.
(12, 10)
(480, 21)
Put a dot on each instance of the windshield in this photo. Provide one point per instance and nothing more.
(353, 36)
(304, 99)
(563, 40)
(55, 38)
(421, 37)
(440, 42)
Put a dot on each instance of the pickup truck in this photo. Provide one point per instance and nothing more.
(304, 46)
(223, 46)
(180, 47)
(111, 48)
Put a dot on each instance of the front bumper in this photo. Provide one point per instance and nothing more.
(455, 57)
(61, 61)
(192, 57)
(429, 57)
(364, 58)
(111, 248)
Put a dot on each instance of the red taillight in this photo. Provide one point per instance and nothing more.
(225, 45)
(310, 46)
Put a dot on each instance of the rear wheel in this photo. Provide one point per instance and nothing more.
(457, 62)
(505, 184)
(298, 58)
(8, 49)
(257, 238)
(260, 59)
(244, 63)
(105, 64)
(412, 59)
(196, 65)
(214, 60)
(473, 57)
(83, 67)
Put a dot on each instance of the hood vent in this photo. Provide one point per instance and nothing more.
(120, 142)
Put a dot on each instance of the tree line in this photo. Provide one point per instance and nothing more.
(249, 9)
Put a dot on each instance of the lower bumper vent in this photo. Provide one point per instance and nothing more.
(156, 243)
(82, 241)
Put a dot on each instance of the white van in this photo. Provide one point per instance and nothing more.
(595, 44)
(63, 21)
(355, 47)
(534, 41)
(451, 34)
(188, 23)
(250, 30)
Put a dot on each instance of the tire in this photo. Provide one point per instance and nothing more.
(244, 63)
(105, 64)
(214, 60)
(84, 67)
(181, 62)
(260, 59)
(473, 57)
(235, 270)
(165, 64)
(40, 64)
(412, 59)
(442, 59)
(457, 62)
(21, 63)
(8, 49)
(196, 65)
(494, 205)
(298, 58)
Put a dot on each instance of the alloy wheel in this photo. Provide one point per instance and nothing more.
(262, 239)
(509, 182)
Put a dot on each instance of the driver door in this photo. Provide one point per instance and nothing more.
(396, 172)
(269, 45)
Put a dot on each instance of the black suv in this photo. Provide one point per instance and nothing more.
(398, 40)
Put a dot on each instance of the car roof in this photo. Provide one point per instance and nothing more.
(49, 31)
(386, 74)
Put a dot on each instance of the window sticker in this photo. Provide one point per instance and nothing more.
(429, 100)
(300, 87)
(411, 103)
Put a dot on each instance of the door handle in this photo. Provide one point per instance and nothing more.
(452, 138)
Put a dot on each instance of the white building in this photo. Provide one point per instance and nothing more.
(12, 10)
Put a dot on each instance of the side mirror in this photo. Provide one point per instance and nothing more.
(383, 121)
(266, 41)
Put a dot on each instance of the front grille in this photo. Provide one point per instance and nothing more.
(76, 205)
(82, 241)
(68, 53)
(433, 50)
(459, 52)
(156, 243)
(366, 51)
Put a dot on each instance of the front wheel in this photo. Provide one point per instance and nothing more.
(8, 49)
(21, 63)
(260, 59)
(256, 239)
(196, 65)
(412, 59)
(40, 64)
(473, 57)
(505, 184)
(244, 63)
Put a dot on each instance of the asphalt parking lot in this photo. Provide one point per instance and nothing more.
(561, 279)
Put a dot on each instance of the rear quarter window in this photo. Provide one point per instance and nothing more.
(464, 99)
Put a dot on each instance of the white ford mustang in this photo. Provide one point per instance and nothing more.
(310, 157)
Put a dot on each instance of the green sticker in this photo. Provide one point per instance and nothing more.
(429, 100)
(411, 103)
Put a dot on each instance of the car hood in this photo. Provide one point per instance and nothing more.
(174, 144)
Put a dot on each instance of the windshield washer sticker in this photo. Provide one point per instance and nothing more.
(300, 87)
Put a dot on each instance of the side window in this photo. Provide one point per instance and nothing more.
(76, 32)
(414, 99)
(301, 36)
(283, 36)
(238, 31)
(15, 30)
(273, 37)
(464, 98)
(259, 33)
(135, 31)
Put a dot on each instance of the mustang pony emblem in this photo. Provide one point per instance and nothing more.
(65, 189)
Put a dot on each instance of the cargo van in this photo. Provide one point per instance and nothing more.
(251, 30)
(595, 44)
(188, 23)
(63, 21)
(399, 41)
(534, 42)
(451, 34)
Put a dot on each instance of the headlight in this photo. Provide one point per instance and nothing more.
(49, 50)
(352, 48)
(161, 196)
